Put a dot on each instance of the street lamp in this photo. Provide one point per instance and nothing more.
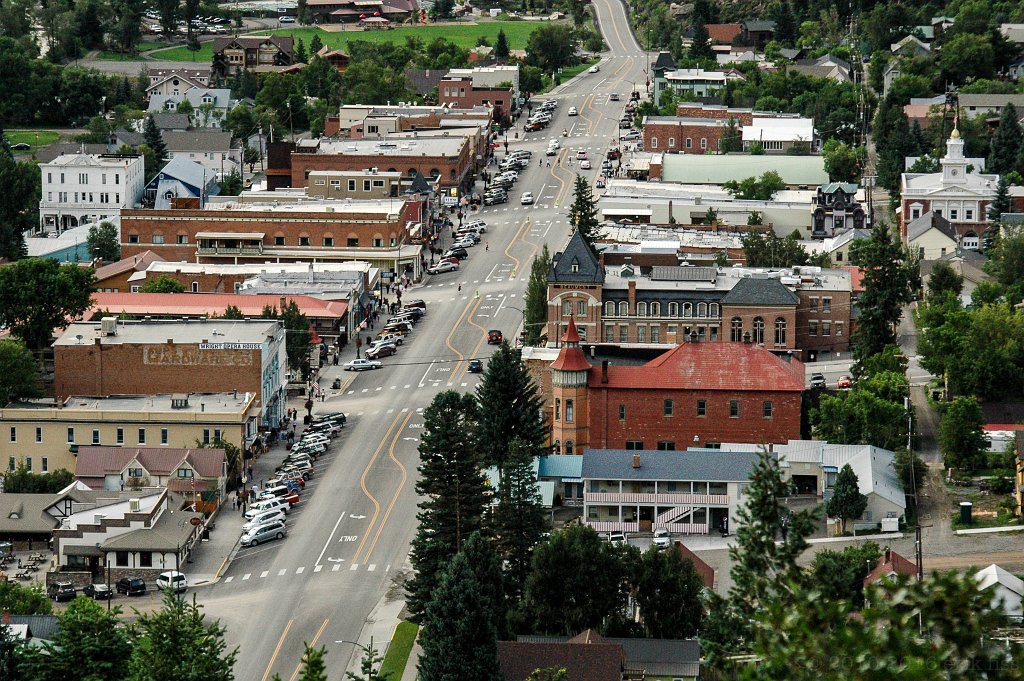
(370, 652)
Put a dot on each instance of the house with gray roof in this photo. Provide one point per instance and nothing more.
(208, 147)
(181, 179)
(652, 658)
(169, 120)
(684, 492)
(209, 105)
(932, 236)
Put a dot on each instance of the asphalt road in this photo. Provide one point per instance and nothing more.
(348, 539)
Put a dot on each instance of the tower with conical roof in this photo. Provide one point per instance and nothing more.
(569, 374)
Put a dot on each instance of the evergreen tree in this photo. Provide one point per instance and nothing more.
(769, 540)
(501, 51)
(944, 279)
(847, 503)
(1005, 148)
(452, 487)
(890, 278)
(19, 203)
(315, 44)
(785, 24)
(518, 520)
(176, 644)
(458, 636)
(300, 51)
(155, 141)
(11, 665)
(700, 48)
(1001, 203)
(313, 667)
(731, 139)
(486, 566)
(583, 213)
(668, 594)
(303, 14)
(509, 409)
(90, 643)
(535, 316)
(918, 142)
(369, 666)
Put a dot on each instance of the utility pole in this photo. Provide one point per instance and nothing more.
(918, 540)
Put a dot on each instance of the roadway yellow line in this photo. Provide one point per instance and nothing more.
(461, 368)
(362, 485)
(277, 650)
(398, 490)
(311, 644)
(455, 327)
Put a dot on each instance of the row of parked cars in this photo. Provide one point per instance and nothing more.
(171, 580)
(266, 516)
(508, 175)
(466, 237)
(541, 116)
(390, 338)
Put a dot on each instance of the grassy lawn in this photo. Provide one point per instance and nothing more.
(464, 35)
(110, 55)
(37, 139)
(988, 509)
(398, 652)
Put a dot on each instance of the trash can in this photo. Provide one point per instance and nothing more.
(965, 512)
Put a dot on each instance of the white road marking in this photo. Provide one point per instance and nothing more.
(329, 539)
(246, 576)
(300, 570)
(282, 572)
(354, 566)
(228, 580)
(336, 567)
(264, 574)
(318, 568)
(429, 368)
(371, 568)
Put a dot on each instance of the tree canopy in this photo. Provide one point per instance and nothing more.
(38, 295)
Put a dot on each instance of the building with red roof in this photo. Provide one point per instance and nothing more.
(889, 565)
(695, 393)
(187, 471)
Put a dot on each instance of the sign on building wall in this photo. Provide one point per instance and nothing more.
(207, 354)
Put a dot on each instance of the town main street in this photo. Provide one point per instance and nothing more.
(348, 542)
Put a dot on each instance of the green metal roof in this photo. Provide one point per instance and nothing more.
(720, 168)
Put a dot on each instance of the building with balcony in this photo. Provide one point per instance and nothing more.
(695, 82)
(232, 54)
(79, 189)
(684, 492)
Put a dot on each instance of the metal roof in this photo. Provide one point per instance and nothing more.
(711, 466)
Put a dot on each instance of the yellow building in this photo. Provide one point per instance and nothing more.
(45, 435)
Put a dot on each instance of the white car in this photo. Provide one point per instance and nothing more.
(553, 144)
(478, 225)
(442, 267)
(572, 111)
(631, 135)
(585, 165)
(526, 199)
(362, 365)
(662, 539)
(173, 581)
(464, 243)
(595, 68)
(617, 539)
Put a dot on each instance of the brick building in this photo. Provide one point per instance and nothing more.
(460, 91)
(684, 135)
(147, 357)
(367, 120)
(115, 276)
(703, 393)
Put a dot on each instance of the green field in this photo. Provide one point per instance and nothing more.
(463, 35)
(398, 652)
(37, 139)
(121, 56)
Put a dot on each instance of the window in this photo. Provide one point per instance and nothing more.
(95, 437)
(758, 331)
(780, 331)
(703, 142)
(634, 445)
(713, 310)
(556, 448)
(279, 241)
(366, 185)
(826, 328)
(641, 309)
(45, 464)
(953, 213)
(14, 434)
(622, 412)
(609, 309)
(163, 436)
(734, 408)
(133, 238)
(641, 334)
(766, 409)
(581, 308)
(666, 446)
(568, 447)
(655, 309)
(671, 142)
(352, 242)
(195, 287)
(136, 472)
(667, 408)
(623, 308)
(320, 183)
(120, 436)
(566, 308)
(142, 436)
(182, 239)
(839, 328)
(915, 213)
(736, 330)
(702, 408)
(702, 309)
(689, 143)
(839, 256)
(558, 409)
(71, 434)
(121, 558)
(158, 238)
(623, 333)
(687, 310)
(146, 559)
(673, 309)
(378, 243)
(206, 436)
(814, 304)
(329, 241)
(655, 333)
(28, 463)
(609, 333)
(185, 473)
(569, 411)
(39, 434)
(812, 327)
(303, 240)
(968, 214)
(826, 305)
(654, 143)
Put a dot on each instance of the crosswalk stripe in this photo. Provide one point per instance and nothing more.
(281, 572)
(300, 570)
(247, 576)
(337, 566)
(318, 568)
(354, 566)
(228, 580)
(264, 574)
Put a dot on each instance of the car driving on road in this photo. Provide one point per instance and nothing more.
(526, 199)
(817, 380)
(362, 365)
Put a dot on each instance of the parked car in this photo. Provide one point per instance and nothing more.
(267, 505)
(173, 581)
(662, 539)
(594, 69)
(617, 539)
(442, 267)
(389, 338)
(458, 252)
(494, 337)
(362, 365)
(479, 225)
(417, 303)
(631, 135)
(476, 366)
(263, 519)
(63, 591)
(379, 351)
(264, 534)
(131, 586)
(492, 199)
(100, 592)
(817, 380)
(465, 242)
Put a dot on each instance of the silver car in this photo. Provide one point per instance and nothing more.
(265, 533)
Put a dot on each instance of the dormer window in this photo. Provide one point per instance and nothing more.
(575, 266)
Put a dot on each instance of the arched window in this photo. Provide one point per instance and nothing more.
(435, 173)
(758, 331)
(641, 309)
(713, 310)
(556, 448)
(568, 446)
(609, 309)
(412, 172)
(736, 330)
(780, 331)
(623, 309)
(702, 309)
(673, 309)
(655, 309)
(687, 310)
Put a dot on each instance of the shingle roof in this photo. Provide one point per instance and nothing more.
(657, 657)
(186, 170)
(760, 292)
(136, 262)
(887, 565)
(100, 461)
(581, 661)
(704, 465)
(168, 533)
(576, 251)
(709, 366)
(284, 43)
(41, 626)
(724, 33)
(928, 221)
(664, 62)
(759, 25)
(197, 140)
(26, 513)
(424, 81)
(51, 152)
(169, 120)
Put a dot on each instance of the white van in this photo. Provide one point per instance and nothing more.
(266, 505)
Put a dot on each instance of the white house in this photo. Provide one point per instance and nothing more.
(1007, 590)
(779, 135)
(83, 188)
(175, 81)
(489, 76)
(210, 105)
(932, 236)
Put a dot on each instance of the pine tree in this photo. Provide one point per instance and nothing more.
(1005, 148)
(518, 521)
(458, 636)
(369, 666)
(918, 142)
(501, 51)
(315, 44)
(155, 141)
(313, 667)
(583, 213)
(847, 502)
(700, 48)
(300, 52)
(731, 139)
(452, 486)
(535, 316)
(785, 24)
(1001, 202)
(486, 566)
(509, 409)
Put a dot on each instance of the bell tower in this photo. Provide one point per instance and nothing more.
(570, 424)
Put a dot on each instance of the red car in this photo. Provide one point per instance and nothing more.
(844, 382)
(292, 498)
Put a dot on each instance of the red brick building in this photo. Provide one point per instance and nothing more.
(684, 135)
(460, 92)
(703, 393)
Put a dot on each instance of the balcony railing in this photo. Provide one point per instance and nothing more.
(225, 250)
(670, 499)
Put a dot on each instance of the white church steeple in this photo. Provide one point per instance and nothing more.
(954, 165)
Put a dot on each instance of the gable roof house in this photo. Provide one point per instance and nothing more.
(932, 236)
(644, 658)
(582, 661)
(181, 180)
(1006, 588)
(210, 105)
(179, 470)
(232, 54)
(889, 565)
(176, 80)
(910, 46)
(115, 276)
(208, 147)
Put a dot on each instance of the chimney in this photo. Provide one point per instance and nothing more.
(283, 304)
(7, 617)
(604, 371)
(888, 555)
(636, 461)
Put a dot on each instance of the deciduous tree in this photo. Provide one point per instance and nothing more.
(104, 241)
(840, 574)
(844, 163)
(961, 436)
(668, 594)
(24, 600)
(19, 372)
(860, 417)
(944, 279)
(551, 47)
(165, 283)
(38, 295)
